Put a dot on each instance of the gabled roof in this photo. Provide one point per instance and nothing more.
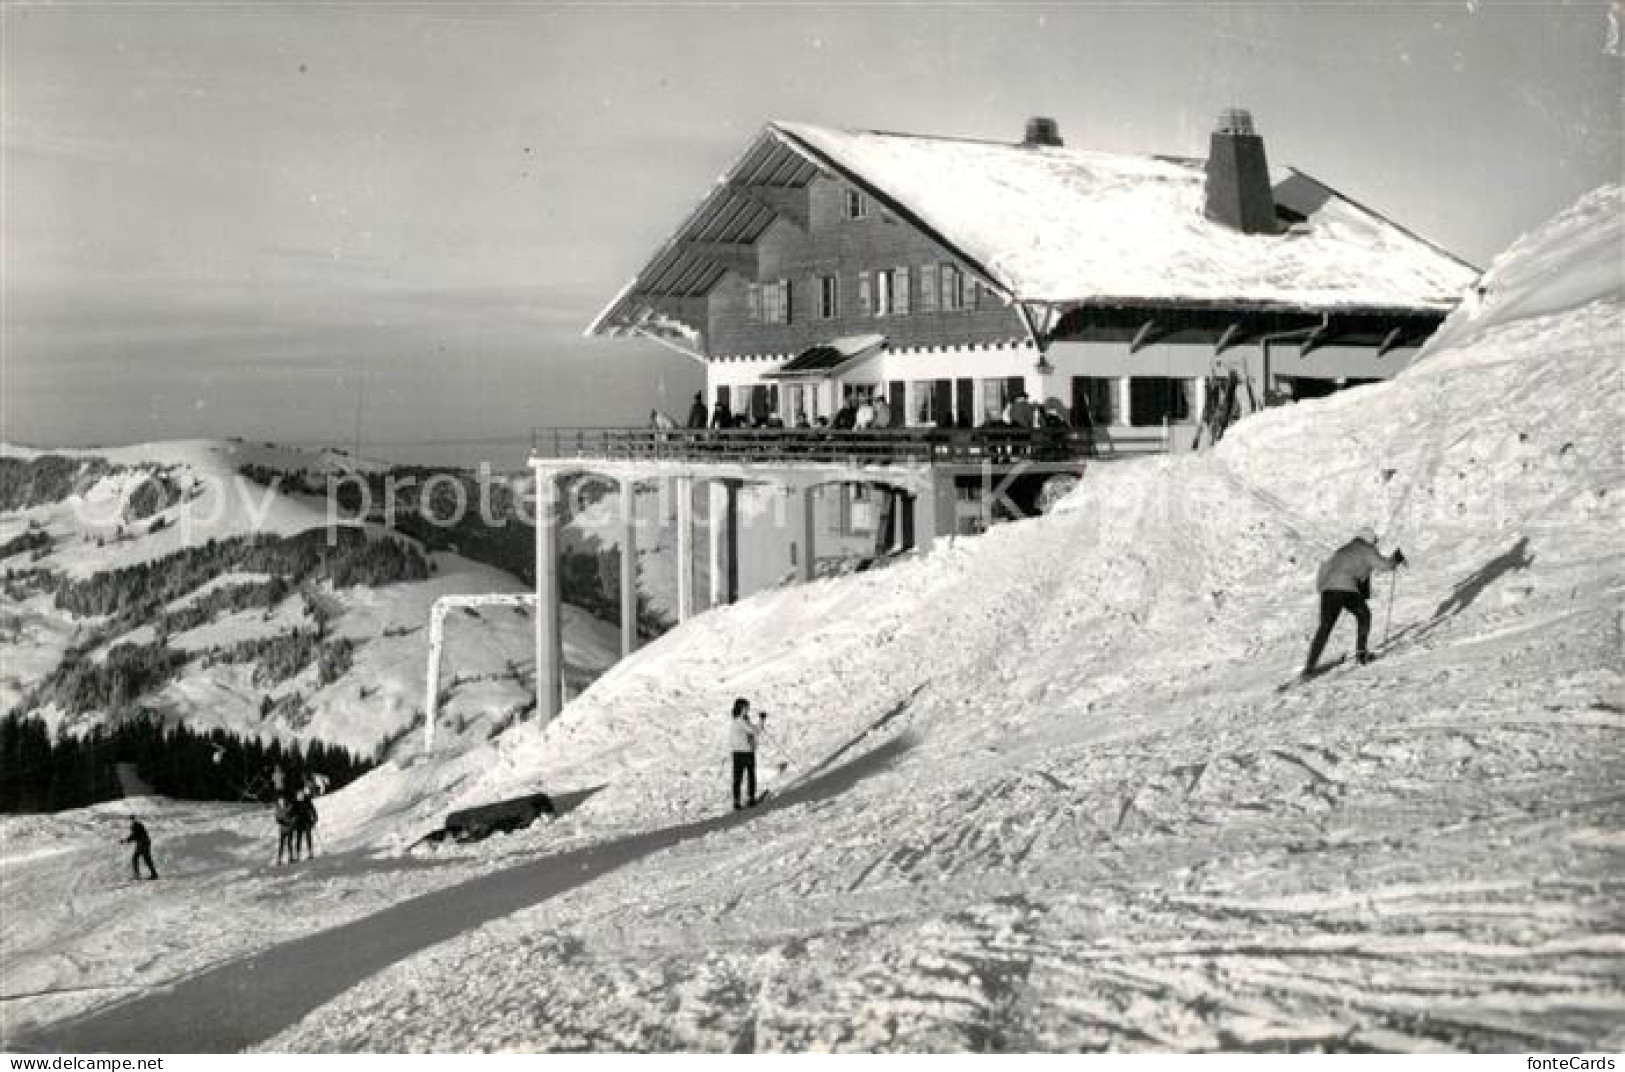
(1067, 227)
(819, 362)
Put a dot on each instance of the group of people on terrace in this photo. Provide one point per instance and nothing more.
(857, 413)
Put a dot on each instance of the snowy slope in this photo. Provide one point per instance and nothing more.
(1038, 788)
(1050, 796)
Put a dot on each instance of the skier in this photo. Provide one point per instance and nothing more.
(287, 835)
(304, 821)
(143, 849)
(1344, 581)
(742, 735)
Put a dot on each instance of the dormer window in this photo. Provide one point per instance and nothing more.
(857, 206)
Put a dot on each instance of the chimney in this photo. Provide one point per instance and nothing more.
(1238, 176)
(1042, 130)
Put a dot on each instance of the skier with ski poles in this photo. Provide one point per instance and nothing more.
(143, 849)
(1344, 582)
(742, 738)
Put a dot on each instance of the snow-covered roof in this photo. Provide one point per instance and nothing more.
(1048, 224)
(1066, 225)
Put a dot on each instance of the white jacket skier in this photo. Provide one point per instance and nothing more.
(742, 737)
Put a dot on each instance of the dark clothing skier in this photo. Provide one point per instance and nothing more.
(1344, 581)
(287, 833)
(143, 850)
(742, 736)
(304, 823)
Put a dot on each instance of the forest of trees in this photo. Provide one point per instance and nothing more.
(48, 478)
(39, 772)
(32, 541)
(155, 494)
(344, 556)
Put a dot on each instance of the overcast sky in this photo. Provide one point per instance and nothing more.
(261, 220)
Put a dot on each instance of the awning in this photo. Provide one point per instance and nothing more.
(829, 358)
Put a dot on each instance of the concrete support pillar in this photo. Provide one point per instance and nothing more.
(923, 520)
(732, 531)
(684, 491)
(629, 567)
(809, 535)
(549, 636)
(431, 702)
(716, 525)
(1125, 401)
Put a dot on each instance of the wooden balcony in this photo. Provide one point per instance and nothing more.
(912, 447)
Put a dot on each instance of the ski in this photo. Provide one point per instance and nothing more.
(1304, 679)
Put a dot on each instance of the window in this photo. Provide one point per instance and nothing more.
(866, 301)
(891, 292)
(829, 297)
(857, 206)
(1155, 399)
(996, 394)
(931, 403)
(800, 403)
(883, 293)
(1093, 401)
(775, 302)
(928, 288)
(953, 288)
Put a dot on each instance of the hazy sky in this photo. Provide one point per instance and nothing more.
(258, 220)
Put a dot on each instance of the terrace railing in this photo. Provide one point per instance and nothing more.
(887, 446)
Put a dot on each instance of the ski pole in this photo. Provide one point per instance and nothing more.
(1388, 619)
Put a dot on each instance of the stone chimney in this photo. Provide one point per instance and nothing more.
(1042, 130)
(1238, 176)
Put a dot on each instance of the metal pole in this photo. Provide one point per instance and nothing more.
(1388, 619)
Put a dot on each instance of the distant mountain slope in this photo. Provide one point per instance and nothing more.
(225, 602)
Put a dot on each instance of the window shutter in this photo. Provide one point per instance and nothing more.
(753, 299)
(928, 288)
(902, 292)
(866, 303)
(787, 292)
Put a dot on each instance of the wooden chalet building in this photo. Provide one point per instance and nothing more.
(1135, 299)
(1134, 295)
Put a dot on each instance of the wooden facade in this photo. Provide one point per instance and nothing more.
(853, 253)
(798, 248)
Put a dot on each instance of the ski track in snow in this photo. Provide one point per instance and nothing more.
(1086, 818)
